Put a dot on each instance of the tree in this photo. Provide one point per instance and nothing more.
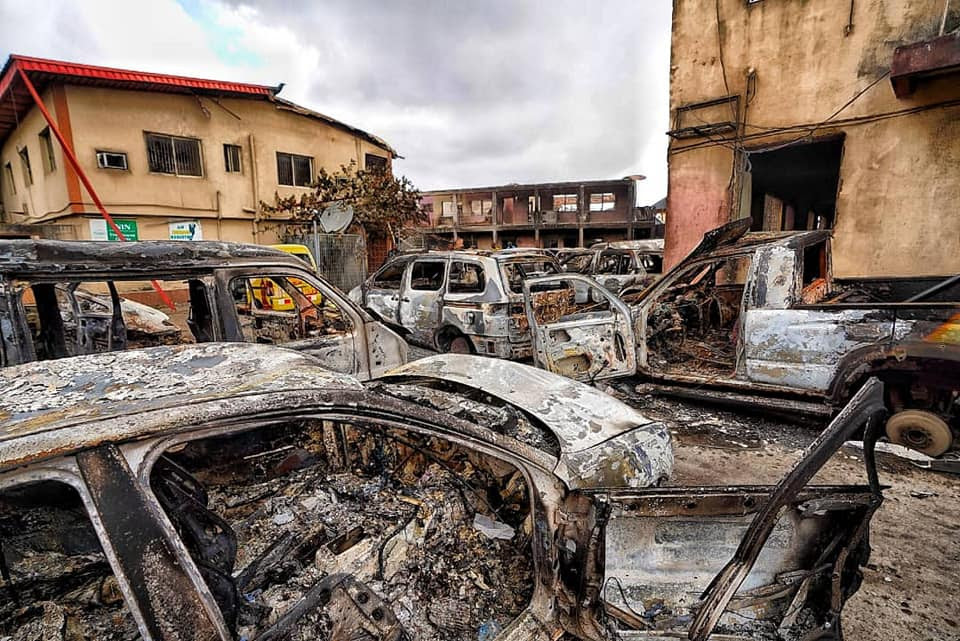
(382, 204)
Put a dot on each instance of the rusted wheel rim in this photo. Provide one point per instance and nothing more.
(459, 345)
(920, 430)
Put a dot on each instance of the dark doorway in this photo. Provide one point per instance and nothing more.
(795, 187)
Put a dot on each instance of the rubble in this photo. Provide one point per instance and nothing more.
(411, 521)
(56, 580)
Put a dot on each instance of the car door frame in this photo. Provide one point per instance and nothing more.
(769, 504)
(392, 296)
(549, 344)
(411, 299)
(230, 320)
(642, 311)
(142, 599)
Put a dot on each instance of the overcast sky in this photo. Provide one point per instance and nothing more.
(470, 93)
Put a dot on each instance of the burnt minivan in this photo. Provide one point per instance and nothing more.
(458, 301)
(69, 298)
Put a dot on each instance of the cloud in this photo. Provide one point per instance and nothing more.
(470, 93)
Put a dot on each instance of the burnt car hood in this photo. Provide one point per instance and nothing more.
(603, 442)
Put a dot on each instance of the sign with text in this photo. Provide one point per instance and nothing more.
(186, 230)
(100, 230)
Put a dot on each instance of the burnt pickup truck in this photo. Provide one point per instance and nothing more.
(759, 318)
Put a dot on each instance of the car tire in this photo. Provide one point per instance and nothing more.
(920, 430)
(459, 345)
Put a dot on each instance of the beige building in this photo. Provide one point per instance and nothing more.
(170, 157)
(820, 114)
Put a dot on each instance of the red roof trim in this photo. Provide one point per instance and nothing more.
(60, 68)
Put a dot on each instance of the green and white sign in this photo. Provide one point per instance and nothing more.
(100, 230)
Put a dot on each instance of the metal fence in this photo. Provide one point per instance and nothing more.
(341, 258)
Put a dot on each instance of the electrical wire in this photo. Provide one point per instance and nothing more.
(855, 120)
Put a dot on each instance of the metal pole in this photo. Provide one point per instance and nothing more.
(316, 241)
(72, 159)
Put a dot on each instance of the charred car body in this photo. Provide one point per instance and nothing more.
(227, 491)
(759, 318)
(616, 265)
(459, 301)
(49, 308)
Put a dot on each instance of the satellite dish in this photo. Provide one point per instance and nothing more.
(336, 217)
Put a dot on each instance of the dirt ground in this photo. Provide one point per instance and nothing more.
(910, 588)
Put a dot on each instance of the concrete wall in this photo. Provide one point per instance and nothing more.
(49, 190)
(225, 203)
(899, 177)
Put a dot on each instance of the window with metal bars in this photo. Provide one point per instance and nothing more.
(174, 155)
(294, 170)
(373, 162)
(231, 158)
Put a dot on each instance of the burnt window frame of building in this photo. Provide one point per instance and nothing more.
(603, 201)
(291, 157)
(24, 154)
(232, 158)
(566, 206)
(102, 164)
(171, 166)
(380, 163)
(485, 208)
(48, 153)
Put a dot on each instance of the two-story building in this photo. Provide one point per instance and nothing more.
(562, 214)
(170, 157)
(820, 114)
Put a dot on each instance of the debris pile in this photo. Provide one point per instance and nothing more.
(436, 537)
(57, 583)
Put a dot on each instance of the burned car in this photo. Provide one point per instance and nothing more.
(62, 298)
(89, 317)
(759, 319)
(617, 265)
(231, 491)
(458, 301)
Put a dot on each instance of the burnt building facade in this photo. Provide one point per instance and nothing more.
(822, 114)
(562, 214)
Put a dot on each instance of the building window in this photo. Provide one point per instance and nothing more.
(46, 148)
(374, 162)
(172, 155)
(25, 164)
(602, 202)
(565, 202)
(481, 207)
(231, 158)
(294, 170)
(111, 160)
(8, 174)
(448, 208)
